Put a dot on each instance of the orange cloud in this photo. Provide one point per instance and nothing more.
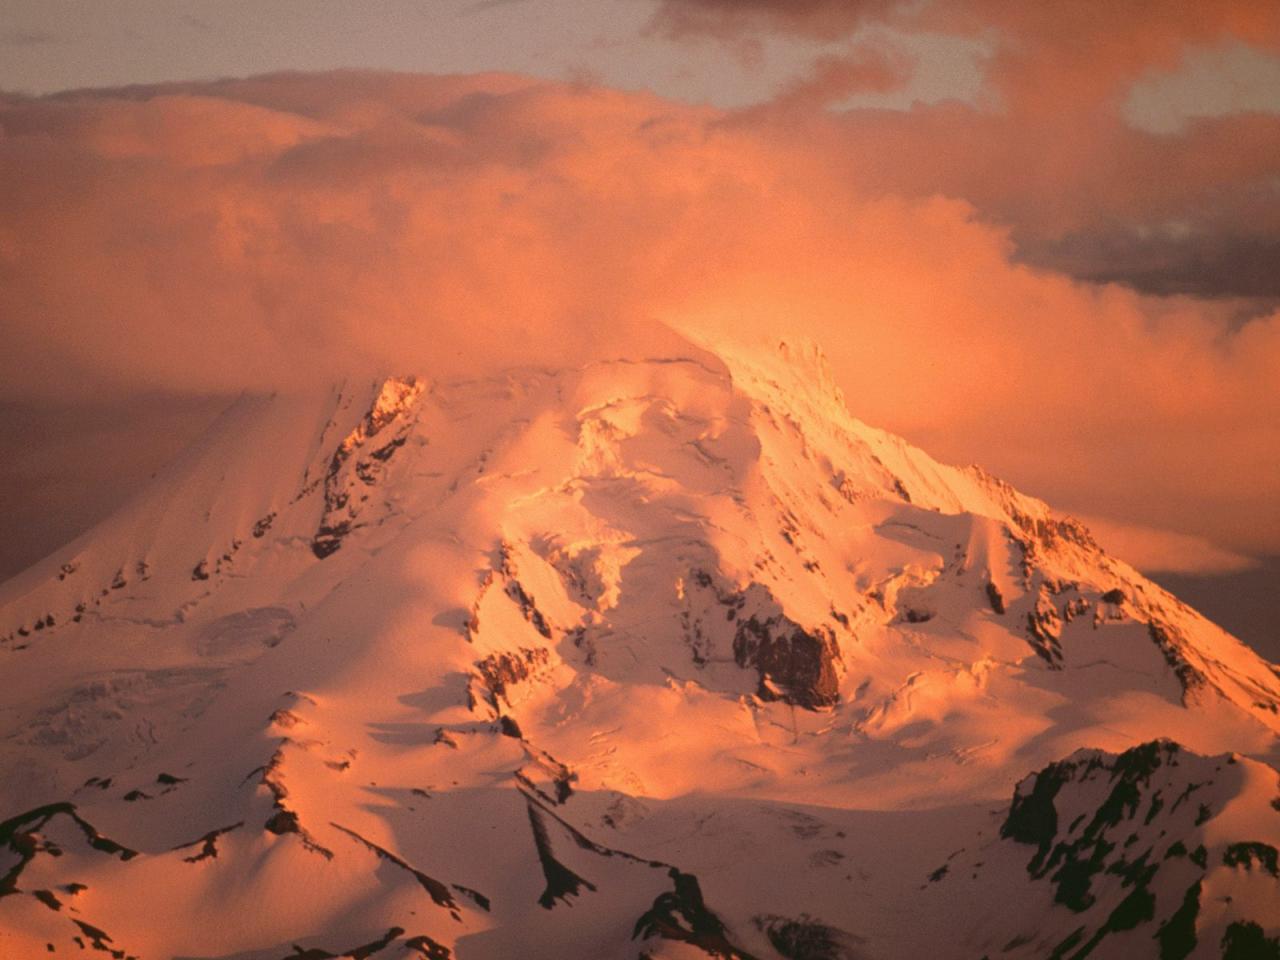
(1074, 53)
(868, 68)
(266, 233)
(1164, 551)
(1048, 149)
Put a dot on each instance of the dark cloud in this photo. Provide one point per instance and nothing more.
(1196, 260)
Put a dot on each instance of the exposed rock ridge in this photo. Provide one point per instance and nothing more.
(360, 460)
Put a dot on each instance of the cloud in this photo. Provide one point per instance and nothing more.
(1034, 44)
(1165, 551)
(1194, 212)
(1051, 146)
(272, 232)
(730, 19)
(1221, 258)
(867, 68)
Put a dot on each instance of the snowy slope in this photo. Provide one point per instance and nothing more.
(664, 656)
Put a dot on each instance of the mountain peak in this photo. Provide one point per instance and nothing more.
(472, 654)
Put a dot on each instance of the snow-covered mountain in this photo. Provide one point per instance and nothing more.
(661, 657)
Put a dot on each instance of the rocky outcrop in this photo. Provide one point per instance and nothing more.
(1170, 644)
(20, 835)
(208, 844)
(1116, 862)
(500, 671)
(795, 665)
(284, 820)
(562, 883)
(681, 914)
(517, 592)
(361, 459)
(438, 891)
(804, 938)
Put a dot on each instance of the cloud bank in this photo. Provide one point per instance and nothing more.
(258, 234)
(1188, 210)
(1165, 551)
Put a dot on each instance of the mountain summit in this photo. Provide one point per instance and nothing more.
(663, 657)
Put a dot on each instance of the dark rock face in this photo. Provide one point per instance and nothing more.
(328, 539)
(1054, 529)
(517, 592)
(98, 939)
(360, 461)
(528, 608)
(1247, 854)
(1170, 643)
(362, 952)
(1033, 816)
(1247, 941)
(263, 525)
(547, 778)
(437, 890)
(284, 820)
(676, 914)
(1044, 626)
(1196, 672)
(799, 665)
(20, 836)
(428, 948)
(1177, 935)
(1144, 825)
(562, 883)
(804, 938)
(501, 671)
(209, 843)
(22, 841)
(509, 728)
(795, 665)
(681, 914)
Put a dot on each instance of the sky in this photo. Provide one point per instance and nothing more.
(1040, 237)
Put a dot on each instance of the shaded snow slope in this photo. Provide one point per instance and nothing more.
(659, 657)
